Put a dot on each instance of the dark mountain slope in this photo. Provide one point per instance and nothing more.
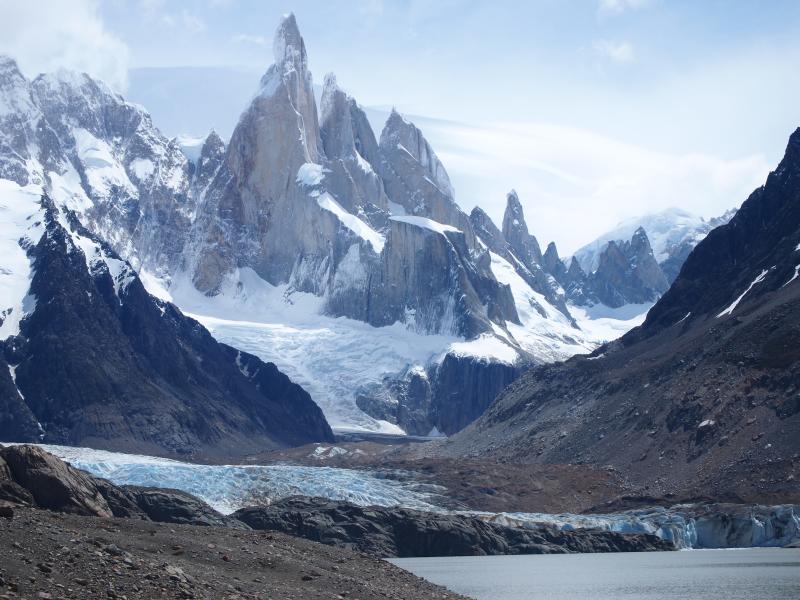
(705, 395)
(102, 363)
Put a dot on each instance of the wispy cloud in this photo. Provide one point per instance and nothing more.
(615, 7)
(156, 11)
(244, 38)
(617, 51)
(576, 184)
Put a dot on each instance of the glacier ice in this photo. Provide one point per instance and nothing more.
(230, 487)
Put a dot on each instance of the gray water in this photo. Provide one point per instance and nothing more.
(741, 574)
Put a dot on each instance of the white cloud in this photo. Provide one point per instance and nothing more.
(620, 52)
(575, 184)
(50, 34)
(612, 7)
(244, 38)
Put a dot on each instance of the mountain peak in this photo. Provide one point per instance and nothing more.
(330, 82)
(792, 154)
(288, 46)
(514, 216)
(400, 132)
(8, 66)
(515, 230)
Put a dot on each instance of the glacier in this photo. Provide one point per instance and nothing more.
(685, 525)
(228, 488)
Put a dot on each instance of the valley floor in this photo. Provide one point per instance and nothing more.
(49, 555)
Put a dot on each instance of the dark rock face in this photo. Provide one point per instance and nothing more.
(10, 490)
(351, 149)
(432, 272)
(52, 483)
(17, 422)
(761, 236)
(405, 400)
(552, 263)
(445, 399)
(464, 386)
(212, 156)
(174, 506)
(102, 363)
(628, 273)
(703, 397)
(398, 532)
(414, 177)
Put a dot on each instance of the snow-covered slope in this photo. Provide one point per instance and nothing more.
(100, 156)
(20, 229)
(666, 230)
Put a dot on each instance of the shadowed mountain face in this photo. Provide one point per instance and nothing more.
(704, 397)
(101, 363)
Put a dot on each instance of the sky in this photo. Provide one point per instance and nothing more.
(593, 110)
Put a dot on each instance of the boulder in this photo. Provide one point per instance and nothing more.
(174, 506)
(54, 484)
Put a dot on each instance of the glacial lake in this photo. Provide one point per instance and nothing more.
(738, 574)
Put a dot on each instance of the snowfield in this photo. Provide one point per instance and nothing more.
(20, 225)
(332, 357)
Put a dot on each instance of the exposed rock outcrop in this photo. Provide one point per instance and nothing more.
(465, 386)
(174, 506)
(628, 273)
(515, 231)
(428, 269)
(521, 251)
(52, 483)
(399, 532)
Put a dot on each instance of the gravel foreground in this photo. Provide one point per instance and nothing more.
(46, 555)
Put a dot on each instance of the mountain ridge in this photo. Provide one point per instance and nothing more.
(704, 395)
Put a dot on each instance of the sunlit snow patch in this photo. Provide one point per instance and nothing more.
(20, 227)
(735, 303)
(328, 356)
